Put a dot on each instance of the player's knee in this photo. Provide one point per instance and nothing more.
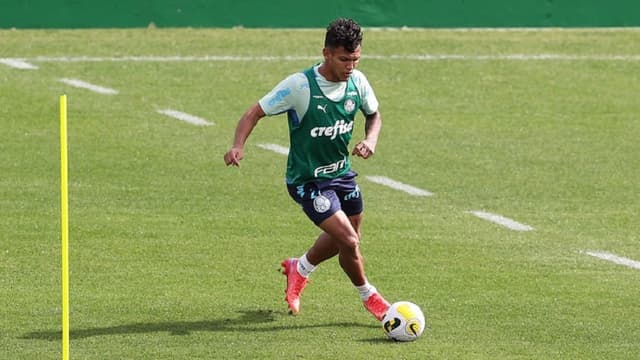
(351, 242)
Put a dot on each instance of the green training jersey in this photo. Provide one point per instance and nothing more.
(319, 141)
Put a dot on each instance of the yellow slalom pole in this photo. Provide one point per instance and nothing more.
(64, 212)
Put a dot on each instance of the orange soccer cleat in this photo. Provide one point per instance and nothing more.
(295, 284)
(376, 305)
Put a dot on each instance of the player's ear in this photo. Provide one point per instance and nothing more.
(326, 52)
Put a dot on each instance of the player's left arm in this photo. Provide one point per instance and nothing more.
(373, 121)
(372, 126)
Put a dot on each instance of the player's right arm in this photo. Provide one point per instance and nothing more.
(290, 93)
(245, 125)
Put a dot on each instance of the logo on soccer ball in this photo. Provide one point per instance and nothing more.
(404, 321)
(349, 105)
(321, 204)
(391, 324)
(413, 327)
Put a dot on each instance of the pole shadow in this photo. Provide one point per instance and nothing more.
(249, 320)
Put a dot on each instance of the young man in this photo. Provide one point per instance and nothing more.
(321, 104)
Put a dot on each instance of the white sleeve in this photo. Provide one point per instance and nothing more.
(368, 96)
(292, 93)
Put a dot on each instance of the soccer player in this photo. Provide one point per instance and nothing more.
(321, 103)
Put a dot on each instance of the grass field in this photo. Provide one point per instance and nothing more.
(174, 256)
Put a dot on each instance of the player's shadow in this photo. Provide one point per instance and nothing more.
(250, 320)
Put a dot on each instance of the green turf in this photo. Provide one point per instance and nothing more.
(174, 256)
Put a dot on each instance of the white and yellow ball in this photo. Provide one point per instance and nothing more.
(404, 321)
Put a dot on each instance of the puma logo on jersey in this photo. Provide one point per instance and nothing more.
(323, 108)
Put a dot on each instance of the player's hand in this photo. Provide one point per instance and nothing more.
(365, 149)
(233, 156)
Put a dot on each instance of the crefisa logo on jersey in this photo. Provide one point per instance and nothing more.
(349, 106)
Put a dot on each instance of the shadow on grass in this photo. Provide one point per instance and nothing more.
(253, 320)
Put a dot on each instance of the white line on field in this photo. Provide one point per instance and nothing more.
(152, 58)
(382, 180)
(91, 87)
(418, 57)
(507, 29)
(191, 119)
(509, 57)
(275, 148)
(18, 64)
(614, 259)
(501, 220)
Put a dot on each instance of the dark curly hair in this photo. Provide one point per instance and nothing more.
(343, 32)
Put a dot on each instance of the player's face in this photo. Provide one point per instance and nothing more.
(340, 63)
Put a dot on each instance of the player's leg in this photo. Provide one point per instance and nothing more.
(341, 237)
(326, 247)
(339, 229)
(344, 231)
(323, 249)
(352, 205)
(318, 207)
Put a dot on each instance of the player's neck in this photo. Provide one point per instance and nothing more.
(322, 70)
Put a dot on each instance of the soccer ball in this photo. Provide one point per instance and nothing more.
(404, 321)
